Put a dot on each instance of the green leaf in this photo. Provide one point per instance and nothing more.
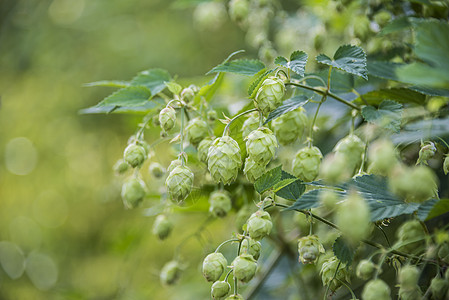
(257, 82)
(422, 74)
(438, 207)
(209, 89)
(401, 95)
(173, 87)
(397, 24)
(422, 130)
(297, 63)
(109, 83)
(153, 79)
(383, 69)
(247, 67)
(283, 183)
(154, 104)
(348, 58)
(343, 251)
(287, 105)
(387, 116)
(292, 191)
(268, 180)
(129, 96)
(430, 91)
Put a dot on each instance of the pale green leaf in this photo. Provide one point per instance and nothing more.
(109, 83)
(129, 96)
(153, 79)
(268, 180)
(297, 63)
(247, 67)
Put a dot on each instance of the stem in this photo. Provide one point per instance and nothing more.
(198, 231)
(333, 277)
(181, 148)
(385, 235)
(236, 117)
(260, 118)
(227, 275)
(313, 77)
(348, 287)
(225, 242)
(314, 120)
(379, 265)
(321, 92)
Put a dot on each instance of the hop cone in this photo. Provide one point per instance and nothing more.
(376, 289)
(179, 183)
(270, 94)
(306, 164)
(383, 157)
(290, 126)
(426, 152)
(259, 225)
(309, 248)
(167, 118)
(409, 235)
(162, 227)
(238, 10)
(250, 124)
(213, 266)
(170, 273)
(251, 247)
(196, 130)
(133, 192)
(175, 163)
(329, 271)
(352, 148)
(253, 170)
(220, 289)
(220, 203)
(203, 149)
(120, 166)
(156, 169)
(244, 267)
(134, 155)
(261, 145)
(224, 159)
(365, 269)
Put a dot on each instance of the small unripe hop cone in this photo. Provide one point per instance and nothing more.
(224, 160)
(259, 225)
(251, 247)
(306, 164)
(244, 267)
(250, 124)
(376, 289)
(332, 277)
(179, 183)
(309, 249)
(261, 145)
(290, 126)
(133, 192)
(167, 118)
(196, 131)
(203, 149)
(352, 148)
(213, 266)
(134, 155)
(220, 289)
(170, 273)
(365, 269)
(220, 203)
(253, 170)
(162, 227)
(270, 95)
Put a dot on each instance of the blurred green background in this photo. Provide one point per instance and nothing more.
(60, 206)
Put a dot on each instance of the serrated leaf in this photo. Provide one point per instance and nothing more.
(210, 88)
(297, 63)
(257, 82)
(268, 180)
(395, 25)
(287, 105)
(387, 116)
(283, 183)
(437, 208)
(292, 191)
(348, 58)
(307, 200)
(430, 91)
(153, 79)
(401, 95)
(422, 130)
(383, 69)
(173, 87)
(343, 251)
(109, 83)
(248, 67)
(154, 104)
(130, 96)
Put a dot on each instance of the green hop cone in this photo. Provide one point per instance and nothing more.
(259, 225)
(354, 226)
(270, 95)
(220, 289)
(179, 183)
(187, 94)
(253, 170)
(330, 276)
(167, 118)
(120, 167)
(213, 266)
(334, 169)
(290, 126)
(426, 152)
(196, 131)
(408, 277)
(383, 157)
(170, 273)
(439, 287)
(156, 169)
(382, 17)
(235, 297)
(162, 227)
(175, 163)
(224, 160)
(251, 247)
(134, 155)
(244, 267)
(238, 10)
(309, 249)
(328, 198)
(443, 252)
(352, 148)
(261, 145)
(212, 115)
(209, 15)
(220, 203)
(306, 164)
(413, 184)
(242, 216)
(365, 269)
(376, 289)
(446, 165)
(133, 192)
(411, 237)
(362, 28)
(203, 149)
(250, 124)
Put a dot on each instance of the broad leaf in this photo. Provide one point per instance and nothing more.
(307, 201)
(174, 87)
(422, 130)
(438, 208)
(297, 63)
(293, 190)
(422, 74)
(401, 95)
(154, 104)
(383, 69)
(247, 67)
(343, 251)
(268, 180)
(209, 89)
(397, 24)
(387, 116)
(425, 208)
(153, 79)
(287, 105)
(129, 96)
(348, 58)
(430, 91)
(109, 83)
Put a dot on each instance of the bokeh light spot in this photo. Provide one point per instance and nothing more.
(12, 259)
(20, 156)
(42, 270)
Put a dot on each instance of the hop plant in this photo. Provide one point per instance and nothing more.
(290, 126)
(410, 236)
(309, 249)
(196, 131)
(253, 170)
(133, 192)
(179, 183)
(259, 225)
(162, 227)
(220, 203)
(413, 184)
(220, 289)
(306, 164)
(250, 124)
(209, 15)
(167, 118)
(213, 266)
(270, 95)
(156, 169)
(120, 166)
(365, 269)
(352, 148)
(187, 94)
(238, 10)
(426, 152)
(408, 283)
(244, 267)
(332, 277)
(224, 160)
(261, 145)
(383, 157)
(170, 273)
(251, 247)
(134, 155)
(376, 289)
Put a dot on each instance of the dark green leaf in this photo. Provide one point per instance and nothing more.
(297, 63)
(292, 191)
(348, 58)
(422, 74)
(257, 82)
(401, 95)
(343, 251)
(247, 67)
(287, 105)
(422, 130)
(307, 200)
(283, 183)
(437, 208)
(387, 116)
(109, 83)
(268, 180)
(397, 24)
(425, 208)
(430, 91)
(383, 69)
(129, 96)
(153, 79)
